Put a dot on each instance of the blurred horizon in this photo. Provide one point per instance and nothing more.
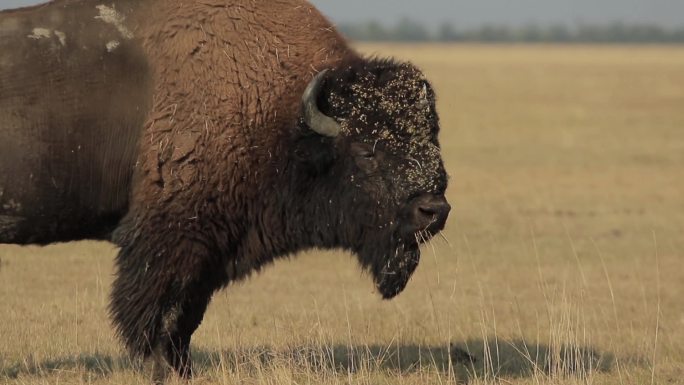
(470, 14)
(578, 21)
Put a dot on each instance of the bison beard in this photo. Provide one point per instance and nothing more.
(396, 272)
(391, 271)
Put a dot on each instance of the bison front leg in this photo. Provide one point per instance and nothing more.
(159, 298)
(177, 325)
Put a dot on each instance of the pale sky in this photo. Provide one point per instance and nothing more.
(474, 13)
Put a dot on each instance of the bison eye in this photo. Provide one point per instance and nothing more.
(363, 150)
(366, 154)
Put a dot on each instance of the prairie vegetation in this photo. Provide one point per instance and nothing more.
(562, 261)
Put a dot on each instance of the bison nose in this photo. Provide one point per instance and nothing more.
(429, 212)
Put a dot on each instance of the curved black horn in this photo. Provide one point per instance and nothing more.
(313, 117)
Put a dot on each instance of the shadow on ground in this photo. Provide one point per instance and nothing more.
(98, 364)
(470, 359)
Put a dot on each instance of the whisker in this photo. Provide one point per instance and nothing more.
(432, 245)
(422, 237)
(445, 239)
(434, 252)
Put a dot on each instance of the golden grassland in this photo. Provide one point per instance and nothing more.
(562, 261)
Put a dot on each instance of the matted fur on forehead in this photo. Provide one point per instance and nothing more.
(382, 99)
(391, 107)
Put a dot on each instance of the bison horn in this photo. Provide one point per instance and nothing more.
(313, 117)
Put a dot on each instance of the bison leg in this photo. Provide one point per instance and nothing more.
(159, 298)
(178, 324)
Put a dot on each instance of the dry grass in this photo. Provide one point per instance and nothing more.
(563, 263)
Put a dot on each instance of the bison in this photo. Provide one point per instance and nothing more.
(207, 138)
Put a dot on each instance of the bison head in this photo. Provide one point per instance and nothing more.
(368, 141)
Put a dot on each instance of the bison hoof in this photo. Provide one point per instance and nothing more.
(157, 368)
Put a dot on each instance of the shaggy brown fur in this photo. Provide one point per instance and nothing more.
(228, 175)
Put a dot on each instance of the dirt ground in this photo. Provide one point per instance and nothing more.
(562, 261)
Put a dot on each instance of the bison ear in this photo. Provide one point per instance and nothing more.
(383, 70)
(384, 75)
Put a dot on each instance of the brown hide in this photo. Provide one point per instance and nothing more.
(71, 113)
(206, 89)
(228, 77)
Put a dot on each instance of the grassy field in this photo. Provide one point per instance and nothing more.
(562, 262)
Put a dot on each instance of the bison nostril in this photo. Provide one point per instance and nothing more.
(427, 211)
(439, 207)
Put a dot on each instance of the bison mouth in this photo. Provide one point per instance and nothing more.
(393, 261)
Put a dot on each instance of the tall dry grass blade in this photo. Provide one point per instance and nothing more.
(612, 297)
(657, 325)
